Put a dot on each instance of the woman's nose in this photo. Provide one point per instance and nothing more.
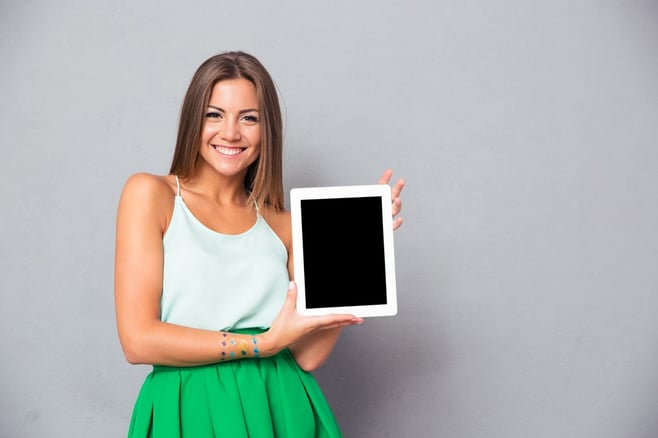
(230, 130)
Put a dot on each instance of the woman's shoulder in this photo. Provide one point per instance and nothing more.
(144, 184)
(148, 199)
(280, 218)
(279, 221)
(147, 191)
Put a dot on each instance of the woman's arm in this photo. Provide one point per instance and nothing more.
(143, 214)
(311, 352)
(320, 333)
(145, 208)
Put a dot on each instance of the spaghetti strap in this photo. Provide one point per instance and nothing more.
(177, 186)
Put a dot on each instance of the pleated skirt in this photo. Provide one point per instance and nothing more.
(258, 398)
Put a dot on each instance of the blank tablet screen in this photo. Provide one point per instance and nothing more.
(343, 257)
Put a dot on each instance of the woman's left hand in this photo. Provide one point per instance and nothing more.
(396, 189)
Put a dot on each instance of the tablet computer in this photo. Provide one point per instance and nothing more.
(344, 260)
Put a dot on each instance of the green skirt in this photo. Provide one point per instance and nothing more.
(264, 397)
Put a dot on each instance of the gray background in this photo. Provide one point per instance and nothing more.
(527, 265)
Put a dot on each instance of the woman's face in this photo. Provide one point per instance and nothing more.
(231, 133)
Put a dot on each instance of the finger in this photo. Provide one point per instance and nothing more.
(397, 188)
(397, 223)
(343, 324)
(396, 207)
(333, 321)
(291, 298)
(340, 325)
(386, 176)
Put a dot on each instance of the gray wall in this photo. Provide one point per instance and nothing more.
(527, 264)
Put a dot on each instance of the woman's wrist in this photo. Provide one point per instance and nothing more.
(234, 346)
(266, 345)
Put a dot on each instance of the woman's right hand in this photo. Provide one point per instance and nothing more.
(289, 326)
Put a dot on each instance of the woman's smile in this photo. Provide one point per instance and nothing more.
(227, 150)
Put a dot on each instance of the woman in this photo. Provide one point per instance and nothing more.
(203, 262)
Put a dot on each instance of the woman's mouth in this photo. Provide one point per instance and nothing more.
(230, 151)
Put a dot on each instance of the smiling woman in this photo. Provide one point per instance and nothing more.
(202, 274)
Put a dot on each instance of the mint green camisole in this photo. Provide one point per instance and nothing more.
(219, 281)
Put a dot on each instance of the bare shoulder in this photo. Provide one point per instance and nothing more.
(146, 184)
(279, 221)
(278, 218)
(145, 195)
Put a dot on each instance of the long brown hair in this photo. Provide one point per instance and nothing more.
(264, 179)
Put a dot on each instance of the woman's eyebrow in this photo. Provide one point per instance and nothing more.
(241, 111)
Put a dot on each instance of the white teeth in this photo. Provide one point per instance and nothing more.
(227, 151)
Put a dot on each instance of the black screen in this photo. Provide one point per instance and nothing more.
(344, 260)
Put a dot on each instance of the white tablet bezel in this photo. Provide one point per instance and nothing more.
(383, 191)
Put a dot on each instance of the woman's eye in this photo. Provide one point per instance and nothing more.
(251, 119)
(213, 115)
